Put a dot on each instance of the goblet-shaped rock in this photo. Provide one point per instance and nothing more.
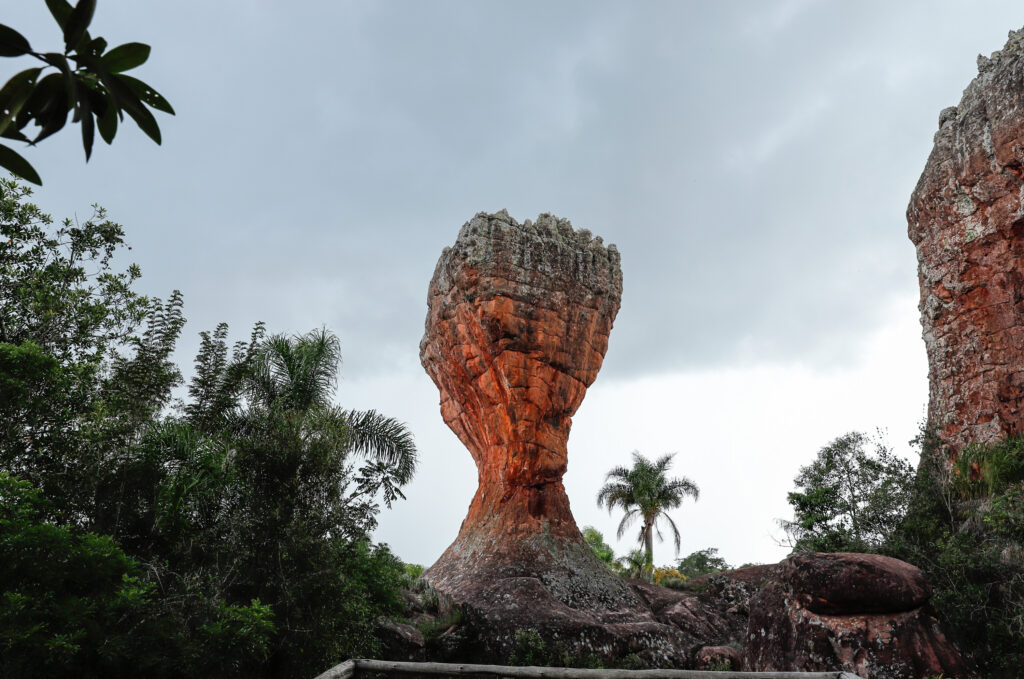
(517, 329)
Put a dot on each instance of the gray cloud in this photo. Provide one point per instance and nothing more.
(752, 161)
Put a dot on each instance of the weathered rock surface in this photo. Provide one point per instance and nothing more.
(846, 584)
(517, 328)
(856, 634)
(720, 658)
(966, 219)
(400, 641)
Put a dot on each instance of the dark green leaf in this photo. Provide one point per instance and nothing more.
(11, 133)
(96, 46)
(61, 10)
(84, 109)
(107, 122)
(42, 98)
(12, 43)
(16, 83)
(13, 162)
(127, 100)
(78, 22)
(146, 122)
(14, 94)
(126, 57)
(56, 59)
(147, 94)
(51, 110)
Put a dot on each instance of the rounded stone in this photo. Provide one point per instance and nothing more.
(848, 584)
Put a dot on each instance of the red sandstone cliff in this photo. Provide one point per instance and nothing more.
(966, 219)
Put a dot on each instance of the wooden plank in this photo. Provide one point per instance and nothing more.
(460, 669)
(345, 670)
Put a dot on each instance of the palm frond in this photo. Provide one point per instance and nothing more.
(675, 530)
(614, 495)
(383, 439)
(627, 521)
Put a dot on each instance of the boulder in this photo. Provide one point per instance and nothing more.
(844, 583)
(784, 634)
(400, 641)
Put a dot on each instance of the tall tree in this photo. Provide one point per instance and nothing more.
(851, 498)
(226, 537)
(645, 492)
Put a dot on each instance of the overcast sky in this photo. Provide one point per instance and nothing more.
(751, 160)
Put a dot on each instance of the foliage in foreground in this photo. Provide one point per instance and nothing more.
(225, 536)
(965, 530)
(88, 82)
(961, 522)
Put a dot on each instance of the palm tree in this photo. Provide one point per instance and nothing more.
(645, 492)
(297, 376)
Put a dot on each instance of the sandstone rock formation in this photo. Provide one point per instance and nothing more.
(517, 328)
(966, 219)
(860, 613)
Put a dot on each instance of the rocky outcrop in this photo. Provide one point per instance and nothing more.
(400, 641)
(517, 328)
(966, 219)
(859, 613)
(845, 583)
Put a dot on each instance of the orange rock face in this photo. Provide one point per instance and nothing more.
(966, 219)
(517, 329)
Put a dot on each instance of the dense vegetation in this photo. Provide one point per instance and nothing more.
(221, 534)
(961, 522)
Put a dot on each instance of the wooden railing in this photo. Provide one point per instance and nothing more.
(353, 669)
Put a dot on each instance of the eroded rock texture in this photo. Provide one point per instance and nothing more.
(517, 328)
(966, 218)
(860, 613)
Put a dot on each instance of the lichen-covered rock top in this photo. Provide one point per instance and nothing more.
(517, 328)
(497, 243)
(554, 275)
(966, 219)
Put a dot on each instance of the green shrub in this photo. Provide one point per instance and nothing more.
(965, 530)
(702, 562)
